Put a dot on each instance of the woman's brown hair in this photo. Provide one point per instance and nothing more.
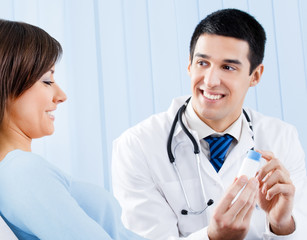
(26, 53)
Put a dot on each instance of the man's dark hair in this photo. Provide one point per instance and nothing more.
(237, 24)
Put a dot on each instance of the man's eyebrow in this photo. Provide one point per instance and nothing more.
(202, 55)
(205, 56)
(234, 61)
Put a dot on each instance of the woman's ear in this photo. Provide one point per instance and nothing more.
(256, 75)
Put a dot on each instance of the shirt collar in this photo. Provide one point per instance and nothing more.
(203, 130)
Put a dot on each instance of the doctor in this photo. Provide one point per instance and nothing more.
(193, 199)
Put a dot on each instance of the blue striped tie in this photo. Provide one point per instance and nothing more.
(218, 149)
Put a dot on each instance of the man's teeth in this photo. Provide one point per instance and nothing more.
(212, 97)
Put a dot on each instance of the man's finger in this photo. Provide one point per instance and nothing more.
(231, 193)
(285, 189)
(245, 198)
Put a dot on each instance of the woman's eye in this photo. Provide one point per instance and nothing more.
(48, 82)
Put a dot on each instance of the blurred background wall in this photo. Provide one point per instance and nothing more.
(126, 59)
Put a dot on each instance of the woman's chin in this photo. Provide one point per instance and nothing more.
(42, 134)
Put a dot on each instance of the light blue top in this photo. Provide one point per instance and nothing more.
(38, 201)
(254, 155)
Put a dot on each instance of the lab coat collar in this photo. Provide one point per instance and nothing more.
(175, 105)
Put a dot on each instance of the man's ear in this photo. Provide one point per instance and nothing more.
(189, 66)
(256, 75)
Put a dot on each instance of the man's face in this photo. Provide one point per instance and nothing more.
(220, 79)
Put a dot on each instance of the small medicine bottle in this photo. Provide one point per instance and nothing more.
(250, 164)
(249, 168)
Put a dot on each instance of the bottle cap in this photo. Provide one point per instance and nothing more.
(254, 155)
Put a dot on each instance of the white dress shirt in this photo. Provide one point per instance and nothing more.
(203, 130)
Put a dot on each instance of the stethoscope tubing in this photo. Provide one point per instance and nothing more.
(178, 118)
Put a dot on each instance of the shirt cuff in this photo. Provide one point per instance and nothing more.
(268, 235)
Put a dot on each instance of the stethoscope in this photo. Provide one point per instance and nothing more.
(178, 118)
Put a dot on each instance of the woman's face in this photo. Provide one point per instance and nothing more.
(32, 113)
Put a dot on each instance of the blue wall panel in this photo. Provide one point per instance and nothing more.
(268, 91)
(7, 9)
(186, 19)
(164, 52)
(30, 15)
(239, 4)
(206, 7)
(291, 64)
(83, 91)
(302, 5)
(138, 60)
(115, 94)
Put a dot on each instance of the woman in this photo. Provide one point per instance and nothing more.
(37, 200)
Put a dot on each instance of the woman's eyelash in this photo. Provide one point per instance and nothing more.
(48, 82)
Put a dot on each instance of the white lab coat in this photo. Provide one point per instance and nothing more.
(148, 188)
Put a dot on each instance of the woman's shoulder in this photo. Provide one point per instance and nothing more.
(27, 181)
(19, 158)
(19, 170)
(23, 163)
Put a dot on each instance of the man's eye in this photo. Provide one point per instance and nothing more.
(48, 82)
(202, 63)
(229, 68)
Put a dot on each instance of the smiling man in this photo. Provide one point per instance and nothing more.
(174, 174)
(221, 74)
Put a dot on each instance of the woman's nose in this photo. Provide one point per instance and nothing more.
(59, 95)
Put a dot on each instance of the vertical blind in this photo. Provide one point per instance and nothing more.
(126, 59)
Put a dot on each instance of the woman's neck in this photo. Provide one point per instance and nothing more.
(12, 139)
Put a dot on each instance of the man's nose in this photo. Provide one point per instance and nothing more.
(212, 78)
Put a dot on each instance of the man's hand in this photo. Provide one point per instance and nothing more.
(232, 220)
(276, 194)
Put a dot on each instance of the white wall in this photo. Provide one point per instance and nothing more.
(126, 59)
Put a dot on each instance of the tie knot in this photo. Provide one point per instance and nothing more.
(210, 139)
(218, 149)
